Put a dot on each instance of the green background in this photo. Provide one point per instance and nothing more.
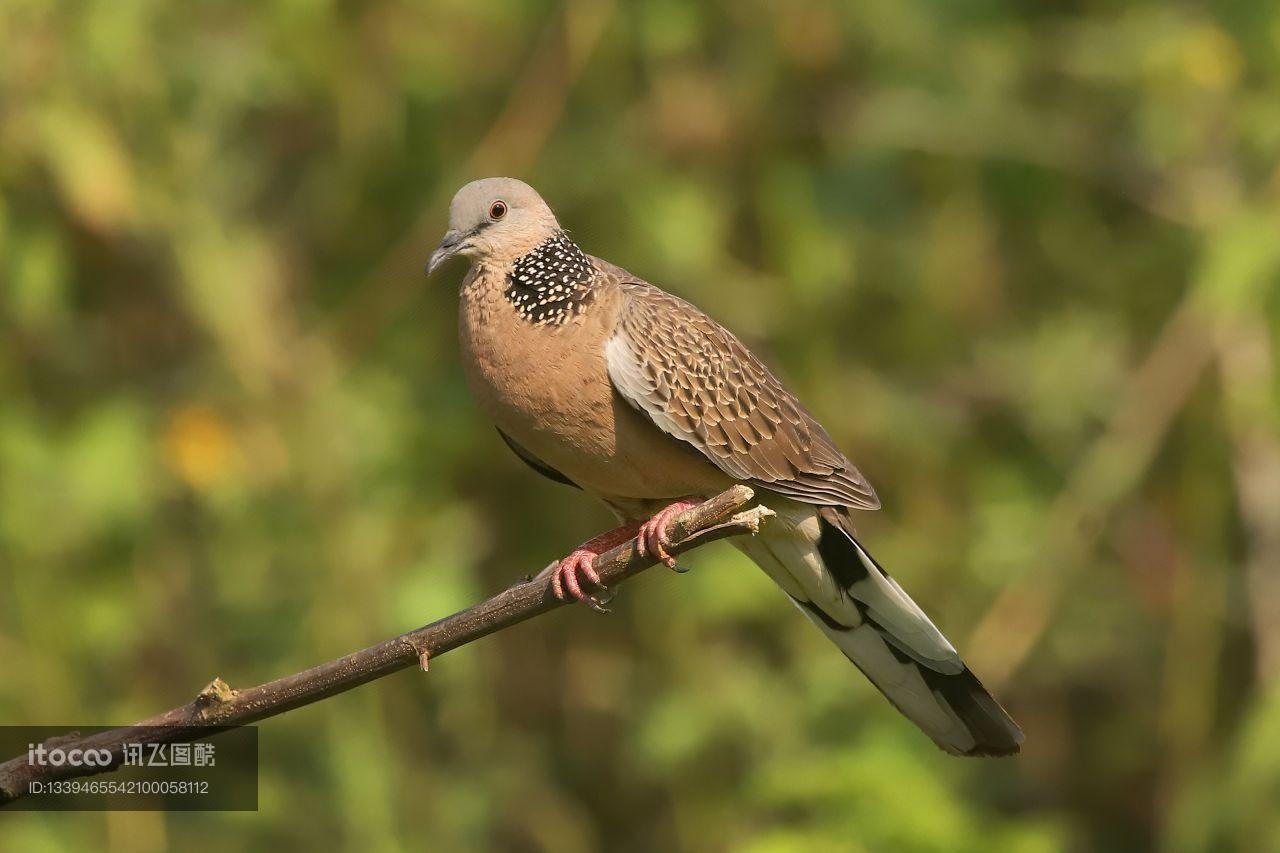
(1020, 258)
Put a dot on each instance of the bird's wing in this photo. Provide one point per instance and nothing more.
(535, 463)
(697, 382)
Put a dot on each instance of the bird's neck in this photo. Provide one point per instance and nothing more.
(552, 283)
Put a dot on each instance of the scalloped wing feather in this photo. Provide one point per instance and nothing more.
(700, 384)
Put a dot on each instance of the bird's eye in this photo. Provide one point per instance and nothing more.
(498, 210)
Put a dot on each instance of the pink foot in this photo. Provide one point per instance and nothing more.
(653, 533)
(564, 577)
(564, 580)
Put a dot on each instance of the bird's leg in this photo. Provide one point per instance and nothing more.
(651, 539)
(652, 535)
(564, 575)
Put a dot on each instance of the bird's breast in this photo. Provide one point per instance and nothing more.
(547, 387)
(544, 385)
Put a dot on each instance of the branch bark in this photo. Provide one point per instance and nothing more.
(219, 706)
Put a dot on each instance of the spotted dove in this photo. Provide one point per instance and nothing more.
(602, 381)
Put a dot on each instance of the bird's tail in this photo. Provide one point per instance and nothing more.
(812, 554)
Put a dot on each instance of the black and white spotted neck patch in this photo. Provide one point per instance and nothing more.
(552, 283)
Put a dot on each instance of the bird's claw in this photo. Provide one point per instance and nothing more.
(652, 538)
(570, 575)
(565, 582)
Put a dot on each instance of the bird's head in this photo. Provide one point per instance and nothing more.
(495, 220)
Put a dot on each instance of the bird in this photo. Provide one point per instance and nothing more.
(600, 380)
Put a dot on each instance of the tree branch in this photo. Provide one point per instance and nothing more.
(219, 706)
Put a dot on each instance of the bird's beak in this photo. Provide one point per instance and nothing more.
(449, 246)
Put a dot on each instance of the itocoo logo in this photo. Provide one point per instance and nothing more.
(56, 757)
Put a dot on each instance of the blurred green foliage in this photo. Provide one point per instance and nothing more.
(1021, 259)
